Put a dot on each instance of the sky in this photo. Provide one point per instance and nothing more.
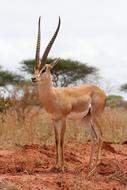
(92, 31)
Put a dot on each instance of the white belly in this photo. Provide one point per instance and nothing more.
(77, 115)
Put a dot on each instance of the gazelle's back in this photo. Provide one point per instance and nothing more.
(80, 91)
(79, 98)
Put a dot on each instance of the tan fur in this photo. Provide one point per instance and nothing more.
(85, 102)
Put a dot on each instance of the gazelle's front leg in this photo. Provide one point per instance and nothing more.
(62, 133)
(55, 125)
(59, 140)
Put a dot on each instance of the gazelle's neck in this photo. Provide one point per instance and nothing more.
(46, 94)
(45, 88)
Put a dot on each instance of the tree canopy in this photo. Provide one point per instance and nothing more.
(123, 87)
(9, 78)
(65, 72)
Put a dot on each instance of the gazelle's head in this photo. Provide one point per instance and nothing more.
(41, 69)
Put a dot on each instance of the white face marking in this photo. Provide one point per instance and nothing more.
(38, 75)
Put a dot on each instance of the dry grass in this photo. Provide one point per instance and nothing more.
(8, 185)
(114, 125)
(35, 127)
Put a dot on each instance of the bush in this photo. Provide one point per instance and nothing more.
(116, 101)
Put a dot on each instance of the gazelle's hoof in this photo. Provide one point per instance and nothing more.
(91, 173)
(63, 169)
(57, 169)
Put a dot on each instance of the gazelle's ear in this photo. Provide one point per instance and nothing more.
(54, 62)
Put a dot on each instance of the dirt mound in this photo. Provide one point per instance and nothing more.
(29, 167)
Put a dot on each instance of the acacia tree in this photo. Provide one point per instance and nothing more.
(66, 72)
(9, 78)
(123, 87)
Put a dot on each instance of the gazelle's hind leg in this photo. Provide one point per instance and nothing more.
(93, 127)
(93, 136)
(96, 125)
(97, 130)
(97, 108)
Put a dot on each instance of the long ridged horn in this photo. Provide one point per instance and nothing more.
(37, 56)
(46, 52)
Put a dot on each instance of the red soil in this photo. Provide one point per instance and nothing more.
(28, 168)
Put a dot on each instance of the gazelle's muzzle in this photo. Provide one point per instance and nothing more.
(33, 79)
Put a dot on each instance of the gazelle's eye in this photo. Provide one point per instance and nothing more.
(43, 70)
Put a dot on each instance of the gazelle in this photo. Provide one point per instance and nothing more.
(85, 102)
